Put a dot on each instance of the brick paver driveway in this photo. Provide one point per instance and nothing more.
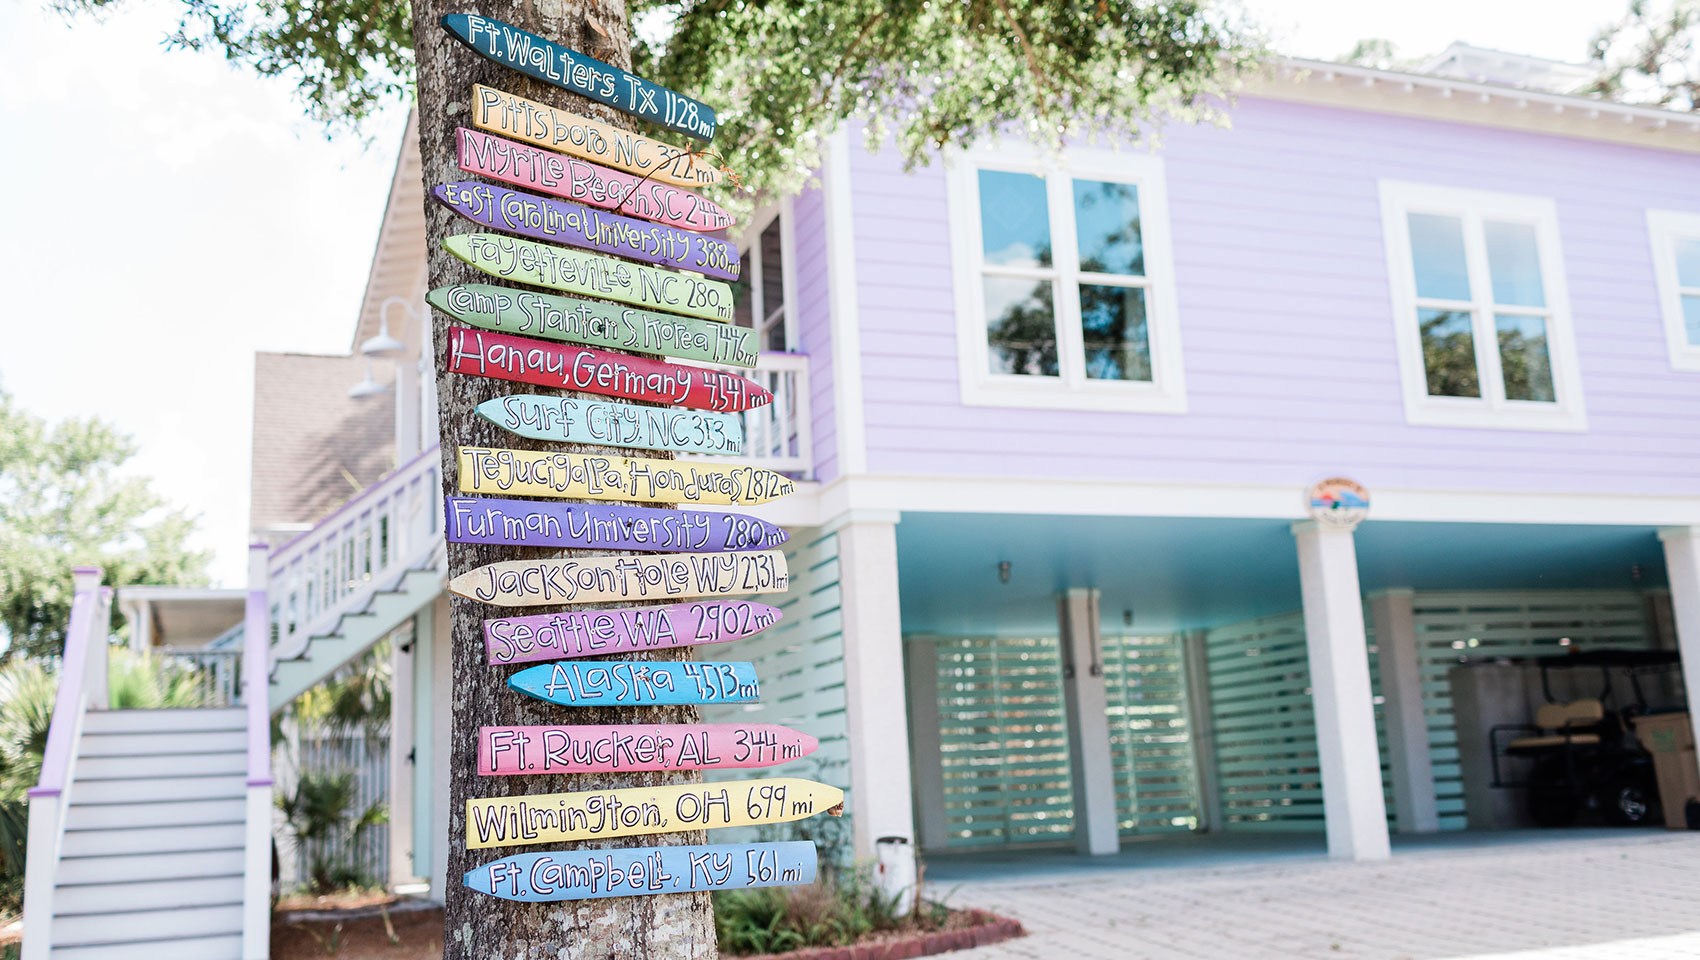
(1634, 897)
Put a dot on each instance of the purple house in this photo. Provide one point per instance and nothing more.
(1055, 577)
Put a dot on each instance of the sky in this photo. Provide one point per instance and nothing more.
(168, 214)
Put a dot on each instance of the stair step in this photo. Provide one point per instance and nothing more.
(137, 840)
(225, 947)
(149, 789)
(161, 765)
(162, 866)
(164, 721)
(99, 898)
(132, 926)
(163, 813)
(155, 744)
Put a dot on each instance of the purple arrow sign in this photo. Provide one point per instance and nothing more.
(529, 215)
(540, 523)
(587, 633)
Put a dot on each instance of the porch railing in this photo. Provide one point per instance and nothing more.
(383, 531)
(216, 674)
(778, 435)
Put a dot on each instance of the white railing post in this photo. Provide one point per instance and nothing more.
(48, 797)
(256, 670)
(97, 676)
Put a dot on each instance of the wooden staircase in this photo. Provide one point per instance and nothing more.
(151, 864)
(150, 830)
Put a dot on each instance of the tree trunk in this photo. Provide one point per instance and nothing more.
(662, 927)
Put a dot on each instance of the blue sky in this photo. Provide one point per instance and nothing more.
(168, 215)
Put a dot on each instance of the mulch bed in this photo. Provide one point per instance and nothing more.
(360, 933)
(969, 928)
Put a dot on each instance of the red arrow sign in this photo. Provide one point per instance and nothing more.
(572, 367)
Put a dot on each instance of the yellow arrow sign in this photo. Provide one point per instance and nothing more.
(530, 583)
(595, 477)
(553, 817)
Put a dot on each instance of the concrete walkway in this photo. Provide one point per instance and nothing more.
(1602, 896)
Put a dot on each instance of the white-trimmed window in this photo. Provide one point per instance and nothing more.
(1676, 262)
(1481, 309)
(1065, 294)
(761, 295)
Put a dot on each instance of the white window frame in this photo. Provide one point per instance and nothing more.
(1071, 389)
(1491, 410)
(1665, 227)
(749, 254)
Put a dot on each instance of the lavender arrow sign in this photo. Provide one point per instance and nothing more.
(601, 526)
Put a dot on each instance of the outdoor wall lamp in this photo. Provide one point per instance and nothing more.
(384, 344)
(1003, 571)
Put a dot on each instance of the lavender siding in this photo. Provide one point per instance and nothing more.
(814, 323)
(1286, 323)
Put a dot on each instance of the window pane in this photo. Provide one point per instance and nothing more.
(1437, 254)
(1106, 221)
(1021, 327)
(1015, 224)
(1449, 353)
(1688, 262)
(772, 269)
(1691, 319)
(1514, 263)
(741, 305)
(1118, 343)
(1523, 358)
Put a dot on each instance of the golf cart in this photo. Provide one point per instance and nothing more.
(1580, 758)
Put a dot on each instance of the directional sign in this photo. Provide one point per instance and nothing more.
(585, 476)
(638, 683)
(572, 420)
(573, 179)
(552, 817)
(511, 310)
(598, 526)
(552, 63)
(586, 874)
(589, 633)
(678, 576)
(523, 360)
(592, 275)
(529, 215)
(598, 142)
(641, 746)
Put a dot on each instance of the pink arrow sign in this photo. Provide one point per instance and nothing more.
(589, 633)
(570, 367)
(585, 182)
(637, 746)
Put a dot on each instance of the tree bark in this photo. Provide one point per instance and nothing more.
(661, 927)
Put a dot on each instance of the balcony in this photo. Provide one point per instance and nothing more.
(777, 435)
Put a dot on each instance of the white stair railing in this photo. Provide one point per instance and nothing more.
(331, 570)
(82, 687)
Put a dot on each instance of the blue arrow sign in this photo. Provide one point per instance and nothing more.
(586, 874)
(602, 683)
(552, 63)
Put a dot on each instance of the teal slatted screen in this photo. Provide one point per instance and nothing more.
(1457, 626)
(1003, 741)
(800, 663)
(1150, 745)
(1265, 732)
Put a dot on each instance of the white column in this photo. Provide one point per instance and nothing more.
(1086, 702)
(877, 721)
(921, 668)
(1201, 731)
(1407, 728)
(442, 670)
(1682, 567)
(403, 651)
(406, 409)
(1340, 693)
(256, 697)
